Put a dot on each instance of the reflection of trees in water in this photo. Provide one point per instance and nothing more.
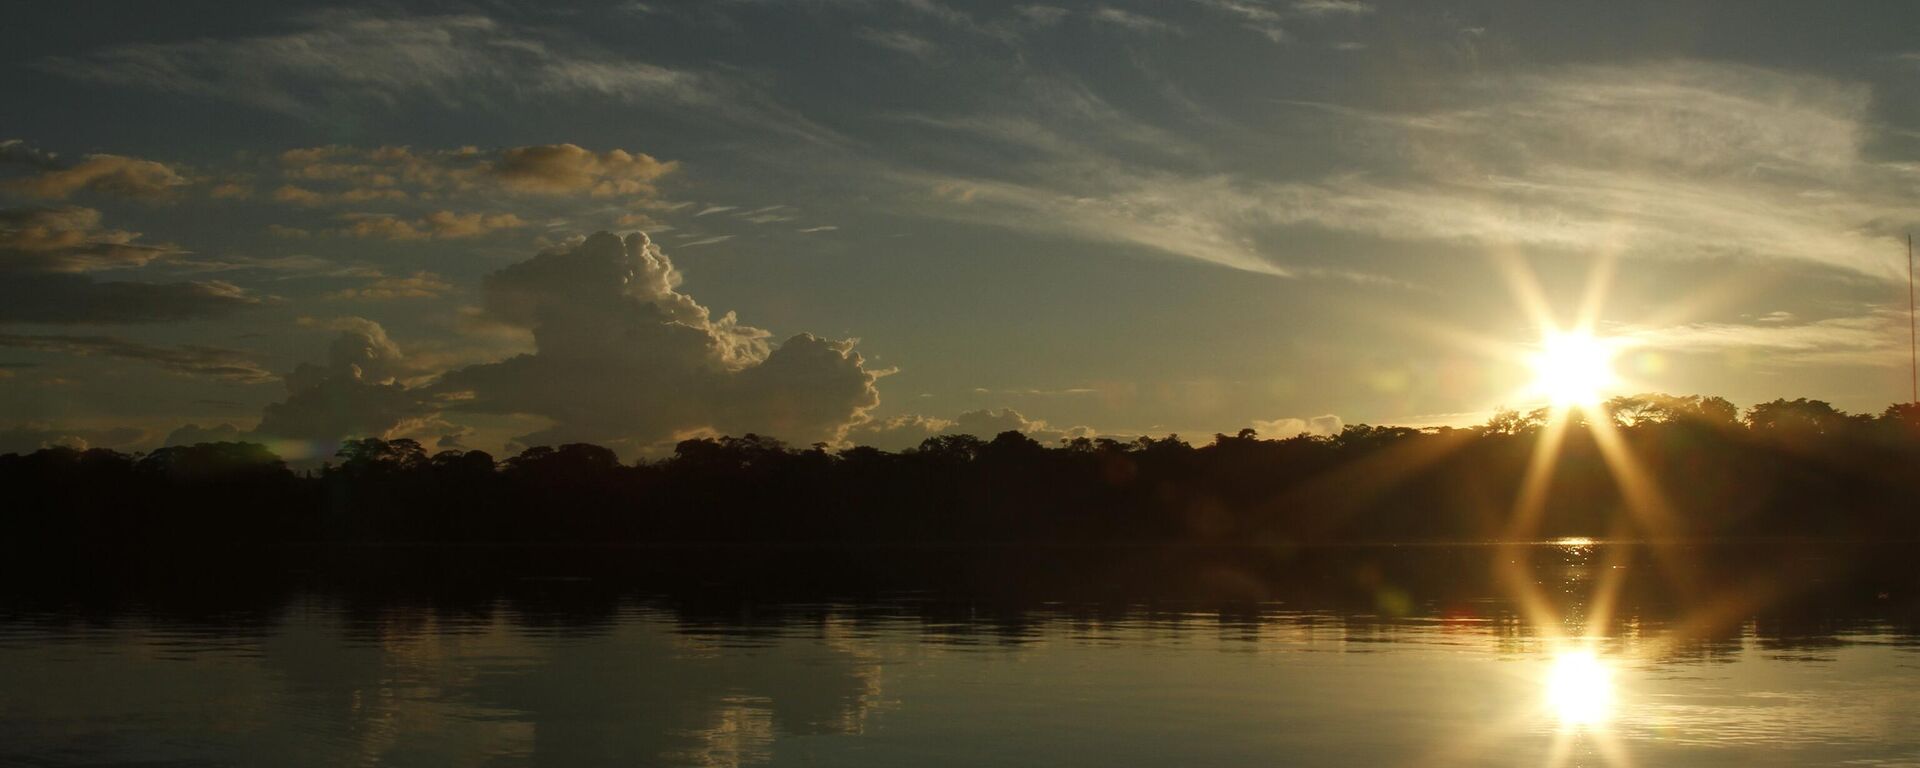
(715, 656)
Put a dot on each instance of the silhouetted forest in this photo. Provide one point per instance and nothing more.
(1795, 468)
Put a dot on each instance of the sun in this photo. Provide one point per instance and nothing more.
(1573, 368)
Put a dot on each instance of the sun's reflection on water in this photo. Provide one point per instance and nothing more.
(1579, 689)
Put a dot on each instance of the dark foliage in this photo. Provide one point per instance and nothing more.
(1788, 468)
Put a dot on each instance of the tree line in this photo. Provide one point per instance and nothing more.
(1788, 468)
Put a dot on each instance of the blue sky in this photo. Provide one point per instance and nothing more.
(309, 221)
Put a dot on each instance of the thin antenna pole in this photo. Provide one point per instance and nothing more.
(1913, 331)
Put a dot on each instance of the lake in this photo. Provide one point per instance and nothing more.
(1570, 653)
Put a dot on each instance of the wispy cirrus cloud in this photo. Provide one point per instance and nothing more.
(1134, 22)
(349, 61)
(1669, 160)
(345, 58)
(1877, 338)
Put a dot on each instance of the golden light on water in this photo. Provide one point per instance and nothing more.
(1579, 689)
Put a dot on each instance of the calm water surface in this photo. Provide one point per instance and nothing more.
(1406, 675)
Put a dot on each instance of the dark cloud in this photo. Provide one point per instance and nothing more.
(42, 250)
(624, 359)
(186, 359)
(78, 299)
(357, 392)
(69, 239)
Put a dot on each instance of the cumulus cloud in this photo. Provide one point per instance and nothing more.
(186, 359)
(624, 359)
(50, 177)
(901, 432)
(356, 392)
(44, 250)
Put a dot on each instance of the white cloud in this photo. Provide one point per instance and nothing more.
(1318, 426)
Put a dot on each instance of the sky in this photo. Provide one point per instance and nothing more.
(874, 221)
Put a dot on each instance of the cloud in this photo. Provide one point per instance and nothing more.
(77, 299)
(230, 190)
(900, 41)
(186, 359)
(68, 239)
(901, 432)
(350, 62)
(439, 225)
(44, 250)
(1331, 8)
(624, 359)
(1318, 426)
(419, 285)
(1134, 22)
(1670, 160)
(357, 392)
(344, 60)
(112, 175)
(342, 174)
(19, 152)
(1876, 339)
(569, 169)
